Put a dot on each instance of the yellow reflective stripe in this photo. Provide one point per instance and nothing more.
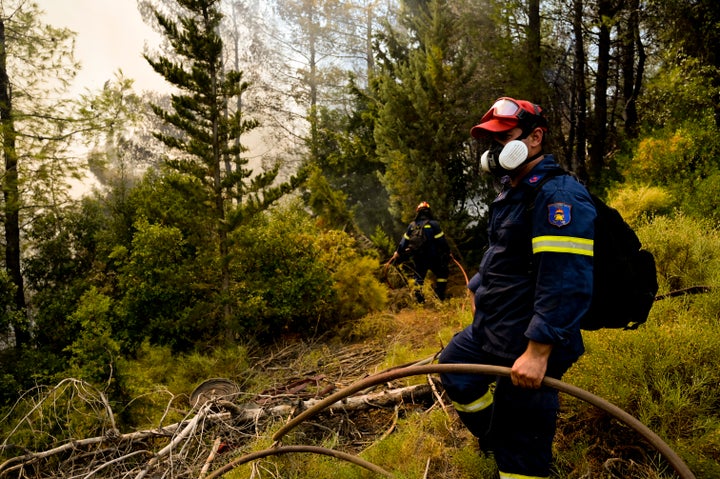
(406, 236)
(477, 405)
(441, 280)
(507, 475)
(562, 244)
(439, 235)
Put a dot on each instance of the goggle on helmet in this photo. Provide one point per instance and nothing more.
(507, 113)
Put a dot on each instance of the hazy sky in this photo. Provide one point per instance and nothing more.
(110, 36)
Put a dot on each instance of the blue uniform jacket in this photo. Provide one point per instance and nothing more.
(435, 245)
(535, 279)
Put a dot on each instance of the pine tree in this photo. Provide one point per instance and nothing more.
(207, 127)
(428, 96)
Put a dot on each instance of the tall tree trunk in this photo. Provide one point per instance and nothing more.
(11, 194)
(631, 40)
(580, 92)
(369, 54)
(313, 83)
(534, 52)
(219, 160)
(640, 68)
(599, 133)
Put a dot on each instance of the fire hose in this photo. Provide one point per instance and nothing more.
(422, 369)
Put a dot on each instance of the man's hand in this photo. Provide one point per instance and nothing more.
(529, 369)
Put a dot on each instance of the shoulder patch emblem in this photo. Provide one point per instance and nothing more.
(559, 214)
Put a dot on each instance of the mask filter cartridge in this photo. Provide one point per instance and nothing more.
(500, 160)
(513, 155)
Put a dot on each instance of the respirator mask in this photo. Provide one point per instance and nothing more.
(500, 160)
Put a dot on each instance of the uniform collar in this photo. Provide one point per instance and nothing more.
(540, 170)
(530, 180)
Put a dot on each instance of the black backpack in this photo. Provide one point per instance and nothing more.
(416, 237)
(624, 274)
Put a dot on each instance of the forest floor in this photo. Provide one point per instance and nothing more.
(406, 425)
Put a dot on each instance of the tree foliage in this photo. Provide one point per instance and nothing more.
(348, 170)
(425, 92)
(34, 128)
(296, 277)
(208, 128)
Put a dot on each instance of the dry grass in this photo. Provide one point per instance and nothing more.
(412, 440)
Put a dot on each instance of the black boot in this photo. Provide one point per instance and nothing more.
(440, 287)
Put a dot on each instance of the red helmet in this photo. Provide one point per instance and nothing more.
(423, 205)
(508, 113)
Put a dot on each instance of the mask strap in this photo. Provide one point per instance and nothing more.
(535, 156)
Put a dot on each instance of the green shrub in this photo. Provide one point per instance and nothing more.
(48, 416)
(372, 327)
(701, 199)
(683, 159)
(357, 290)
(94, 352)
(295, 278)
(687, 251)
(383, 242)
(639, 203)
(667, 158)
(165, 291)
(282, 287)
(665, 374)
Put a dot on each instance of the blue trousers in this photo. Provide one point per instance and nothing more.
(516, 425)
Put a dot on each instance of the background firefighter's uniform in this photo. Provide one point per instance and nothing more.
(534, 282)
(433, 255)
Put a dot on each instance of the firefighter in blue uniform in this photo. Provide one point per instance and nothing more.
(433, 255)
(533, 285)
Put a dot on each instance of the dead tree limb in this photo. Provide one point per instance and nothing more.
(186, 431)
(231, 412)
(210, 458)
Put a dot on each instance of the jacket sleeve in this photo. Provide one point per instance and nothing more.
(474, 282)
(562, 245)
(403, 240)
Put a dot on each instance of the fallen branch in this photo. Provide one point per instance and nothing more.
(378, 399)
(231, 413)
(210, 458)
(188, 430)
(114, 461)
